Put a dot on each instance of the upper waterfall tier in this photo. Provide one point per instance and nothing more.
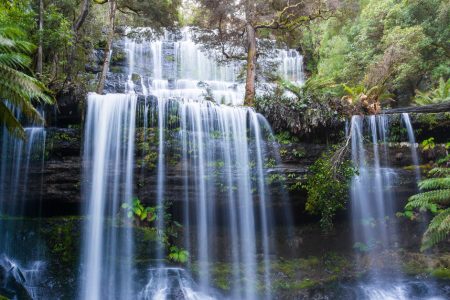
(174, 66)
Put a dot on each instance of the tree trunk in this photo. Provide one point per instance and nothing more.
(107, 57)
(83, 15)
(251, 66)
(76, 26)
(41, 28)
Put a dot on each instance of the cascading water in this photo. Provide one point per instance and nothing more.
(291, 67)
(412, 142)
(109, 165)
(223, 155)
(371, 192)
(21, 160)
(373, 208)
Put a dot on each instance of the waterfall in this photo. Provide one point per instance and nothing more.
(371, 192)
(176, 67)
(412, 142)
(372, 200)
(291, 67)
(108, 156)
(220, 152)
(21, 161)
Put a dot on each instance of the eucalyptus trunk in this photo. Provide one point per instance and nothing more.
(75, 27)
(40, 51)
(107, 56)
(251, 66)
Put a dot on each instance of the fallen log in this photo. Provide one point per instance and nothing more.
(432, 108)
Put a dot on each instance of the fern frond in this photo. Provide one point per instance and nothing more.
(15, 60)
(426, 199)
(439, 172)
(438, 230)
(435, 183)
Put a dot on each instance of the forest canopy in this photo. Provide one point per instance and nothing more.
(359, 55)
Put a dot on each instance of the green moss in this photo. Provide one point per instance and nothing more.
(296, 285)
(149, 160)
(169, 58)
(413, 268)
(115, 69)
(441, 273)
(3, 298)
(135, 77)
(307, 283)
(118, 56)
(61, 240)
(309, 262)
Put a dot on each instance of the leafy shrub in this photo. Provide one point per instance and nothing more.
(328, 188)
(300, 111)
(178, 255)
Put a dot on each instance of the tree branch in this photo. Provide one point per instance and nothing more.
(224, 52)
(285, 20)
(82, 17)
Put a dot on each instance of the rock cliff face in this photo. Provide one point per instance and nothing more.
(57, 189)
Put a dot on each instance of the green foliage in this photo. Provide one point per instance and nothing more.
(139, 211)
(309, 107)
(390, 43)
(145, 217)
(178, 255)
(327, 186)
(438, 95)
(18, 88)
(428, 144)
(434, 197)
(441, 273)
(285, 138)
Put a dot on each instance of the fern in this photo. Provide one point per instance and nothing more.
(438, 95)
(435, 183)
(439, 172)
(437, 231)
(17, 88)
(435, 198)
(430, 197)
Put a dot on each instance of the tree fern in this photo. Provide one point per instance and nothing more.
(435, 197)
(435, 183)
(438, 95)
(439, 172)
(438, 230)
(17, 88)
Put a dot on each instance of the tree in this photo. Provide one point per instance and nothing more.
(107, 56)
(235, 28)
(17, 87)
(41, 28)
